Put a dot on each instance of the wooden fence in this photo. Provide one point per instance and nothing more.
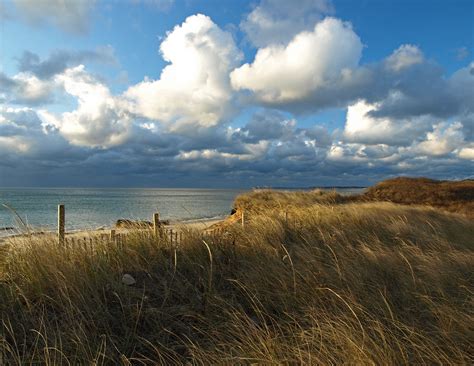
(114, 236)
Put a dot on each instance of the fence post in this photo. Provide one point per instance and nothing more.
(61, 224)
(112, 236)
(156, 223)
(243, 218)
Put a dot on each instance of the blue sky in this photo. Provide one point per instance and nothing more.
(264, 92)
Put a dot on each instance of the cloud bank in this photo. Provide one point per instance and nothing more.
(216, 119)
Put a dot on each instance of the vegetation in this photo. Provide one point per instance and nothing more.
(308, 280)
(454, 196)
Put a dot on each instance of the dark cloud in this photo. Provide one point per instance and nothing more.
(267, 125)
(157, 157)
(424, 90)
(60, 60)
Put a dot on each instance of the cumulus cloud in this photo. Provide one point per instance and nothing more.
(222, 156)
(23, 133)
(36, 84)
(461, 86)
(267, 125)
(467, 152)
(405, 115)
(404, 56)
(60, 60)
(363, 127)
(100, 120)
(277, 21)
(312, 60)
(444, 139)
(70, 16)
(25, 88)
(194, 89)
(251, 152)
(421, 89)
(405, 84)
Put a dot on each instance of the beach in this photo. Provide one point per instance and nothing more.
(198, 225)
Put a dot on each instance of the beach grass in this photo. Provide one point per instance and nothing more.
(311, 278)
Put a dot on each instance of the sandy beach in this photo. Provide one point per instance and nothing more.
(200, 224)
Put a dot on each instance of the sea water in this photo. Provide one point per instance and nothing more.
(91, 208)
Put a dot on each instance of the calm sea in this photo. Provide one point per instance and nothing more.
(93, 207)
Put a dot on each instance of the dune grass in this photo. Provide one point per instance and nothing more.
(453, 196)
(307, 281)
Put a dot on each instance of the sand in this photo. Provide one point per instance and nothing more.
(193, 225)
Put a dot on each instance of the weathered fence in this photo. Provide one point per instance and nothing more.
(114, 236)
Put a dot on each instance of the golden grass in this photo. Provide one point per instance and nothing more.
(358, 283)
(454, 196)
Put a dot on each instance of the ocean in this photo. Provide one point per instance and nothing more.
(91, 208)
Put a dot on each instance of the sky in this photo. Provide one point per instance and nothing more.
(235, 93)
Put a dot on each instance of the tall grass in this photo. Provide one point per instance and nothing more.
(358, 283)
(454, 196)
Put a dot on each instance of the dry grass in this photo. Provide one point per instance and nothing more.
(454, 196)
(358, 283)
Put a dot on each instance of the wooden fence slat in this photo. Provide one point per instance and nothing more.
(61, 224)
(156, 223)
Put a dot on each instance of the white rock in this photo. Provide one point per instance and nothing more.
(128, 280)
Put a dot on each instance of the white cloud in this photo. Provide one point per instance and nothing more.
(277, 21)
(23, 133)
(362, 127)
(250, 152)
(26, 88)
(467, 152)
(33, 89)
(310, 61)
(71, 16)
(403, 57)
(444, 139)
(100, 120)
(346, 153)
(194, 89)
